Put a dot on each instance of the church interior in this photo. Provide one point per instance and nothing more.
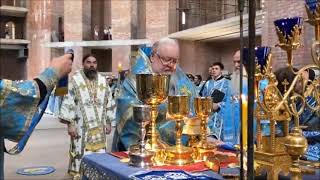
(190, 89)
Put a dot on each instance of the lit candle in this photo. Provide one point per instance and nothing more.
(244, 129)
(119, 67)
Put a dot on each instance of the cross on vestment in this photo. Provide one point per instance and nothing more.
(92, 91)
(101, 87)
(285, 83)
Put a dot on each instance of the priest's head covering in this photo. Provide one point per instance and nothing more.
(142, 62)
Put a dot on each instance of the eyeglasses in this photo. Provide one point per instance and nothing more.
(167, 61)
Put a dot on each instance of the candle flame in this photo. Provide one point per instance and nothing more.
(119, 67)
(243, 97)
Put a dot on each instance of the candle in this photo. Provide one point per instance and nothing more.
(244, 129)
(119, 67)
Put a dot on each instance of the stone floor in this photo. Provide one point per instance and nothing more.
(48, 146)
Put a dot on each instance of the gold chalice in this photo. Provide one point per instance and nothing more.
(152, 89)
(203, 108)
(178, 109)
(139, 156)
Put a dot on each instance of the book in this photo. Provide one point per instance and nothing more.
(217, 96)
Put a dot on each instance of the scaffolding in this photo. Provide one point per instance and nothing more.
(201, 12)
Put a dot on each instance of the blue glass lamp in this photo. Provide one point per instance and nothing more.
(261, 56)
(289, 32)
(312, 5)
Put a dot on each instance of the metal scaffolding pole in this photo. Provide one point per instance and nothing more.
(241, 9)
(251, 70)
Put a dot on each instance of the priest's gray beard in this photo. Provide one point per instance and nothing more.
(235, 83)
(90, 73)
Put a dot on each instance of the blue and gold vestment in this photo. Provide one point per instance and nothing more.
(20, 110)
(220, 122)
(311, 119)
(127, 131)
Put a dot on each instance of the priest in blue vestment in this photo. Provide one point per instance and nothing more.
(218, 87)
(22, 104)
(162, 58)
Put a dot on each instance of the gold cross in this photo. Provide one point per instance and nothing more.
(101, 87)
(82, 86)
(285, 83)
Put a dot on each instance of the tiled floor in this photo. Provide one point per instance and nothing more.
(48, 146)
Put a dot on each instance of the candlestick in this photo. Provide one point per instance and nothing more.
(244, 129)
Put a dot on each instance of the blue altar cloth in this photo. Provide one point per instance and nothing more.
(106, 166)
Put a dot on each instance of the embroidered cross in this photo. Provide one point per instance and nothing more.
(82, 86)
(101, 87)
(285, 83)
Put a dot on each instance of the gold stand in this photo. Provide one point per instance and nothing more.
(154, 142)
(296, 145)
(203, 107)
(272, 163)
(281, 154)
(139, 156)
(152, 89)
(178, 107)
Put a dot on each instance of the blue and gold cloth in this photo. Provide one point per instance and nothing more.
(311, 119)
(97, 166)
(169, 175)
(20, 108)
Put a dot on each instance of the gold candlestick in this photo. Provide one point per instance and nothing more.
(178, 109)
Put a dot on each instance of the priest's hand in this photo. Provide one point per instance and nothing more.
(215, 106)
(62, 64)
(108, 128)
(72, 131)
(214, 141)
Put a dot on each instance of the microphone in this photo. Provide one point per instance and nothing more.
(62, 87)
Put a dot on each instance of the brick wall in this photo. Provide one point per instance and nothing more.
(10, 66)
(275, 9)
(196, 57)
(157, 19)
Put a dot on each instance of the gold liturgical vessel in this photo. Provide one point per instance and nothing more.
(281, 154)
(139, 156)
(178, 109)
(203, 108)
(152, 90)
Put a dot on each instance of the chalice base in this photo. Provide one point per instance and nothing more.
(206, 145)
(157, 148)
(138, 158)
(157, 145)
(178, 155)
(202, 154)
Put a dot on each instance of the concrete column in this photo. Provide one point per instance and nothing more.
(39, 20)
(77, 26)
(121, 29)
